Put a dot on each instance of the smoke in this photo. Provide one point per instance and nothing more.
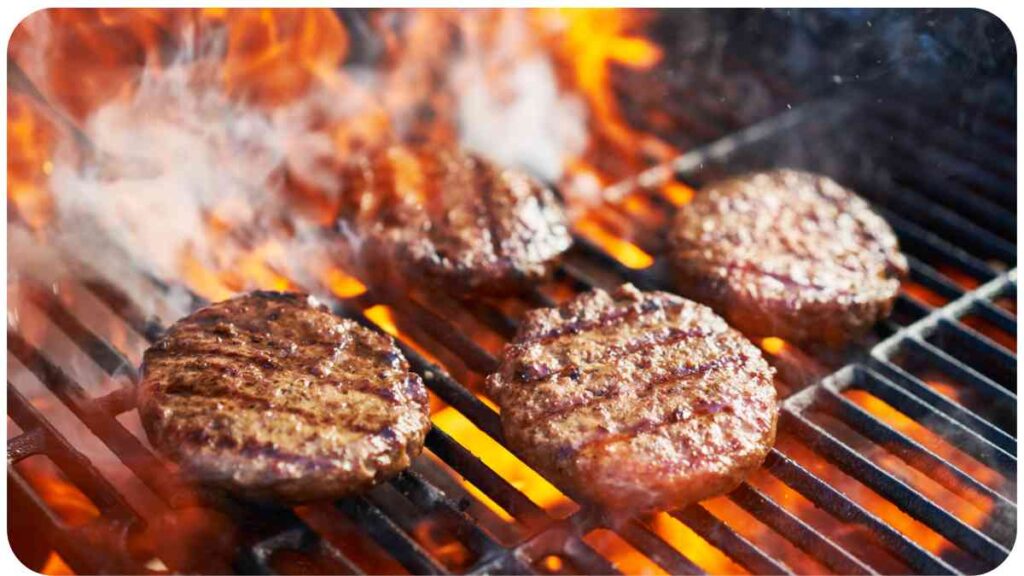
(178, 169)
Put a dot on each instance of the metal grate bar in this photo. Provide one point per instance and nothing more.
(952, 140)
(957, 425)
(1000, 318)
(427, 497)
(495, 486)
(123, 443)
(961, 372)
(256, 558)
(827, 497)
(922, 210)
(664, 555)
(895, 490)
(945, 473)
(98, 349)
(818, 545)
(736, 546)
(75, 465)
(957, 340)
(390, 537)
(918, 241)
(475, 357)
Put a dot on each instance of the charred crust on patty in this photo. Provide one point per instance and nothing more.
(270, 396)
(635, 400)
(789, 254)
(452, 219)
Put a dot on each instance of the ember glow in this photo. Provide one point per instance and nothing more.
(202, 147)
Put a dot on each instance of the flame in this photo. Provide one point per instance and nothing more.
(624, 556)
(496, 457)
(773, 345)
(275, 55)
(442, 544)
(693, 546)
(589, 44)
(96, 56)
(677, 193)
(30, 142)
(342, 284)
(922, 294)
(619, 248)
(991, 331)
(930, 440)
(67, 501)
(55, 566)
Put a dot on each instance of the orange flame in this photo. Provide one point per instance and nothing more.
(67, 501)
(591, 43)
(55, 566)
(275, 55)
(495, 456)
(30, 144)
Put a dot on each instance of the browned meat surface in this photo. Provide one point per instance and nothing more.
(270, 396)
(452, 219)
(788, 254)
(636, 400)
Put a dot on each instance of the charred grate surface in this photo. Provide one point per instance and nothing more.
(946, 322)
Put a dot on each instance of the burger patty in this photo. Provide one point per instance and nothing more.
(636, 400)
(788, 254)
(453, 219)
(270, 396)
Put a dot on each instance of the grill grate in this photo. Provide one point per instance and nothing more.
(962, 255)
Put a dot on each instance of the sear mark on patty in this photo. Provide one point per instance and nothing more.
(271, 396)
(452, 219)
(636, 400)
(788, 254)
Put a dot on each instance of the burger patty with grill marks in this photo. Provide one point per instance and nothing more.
(788, 254)
(270, 396)
(636, 400)
(453, 219)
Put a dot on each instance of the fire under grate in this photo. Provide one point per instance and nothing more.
(931, 394)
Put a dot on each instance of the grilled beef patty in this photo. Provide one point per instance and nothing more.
(636, 400)
(270, 396)
(453, 219)
(788, 254)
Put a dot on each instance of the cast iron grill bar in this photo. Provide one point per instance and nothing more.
(995, 361)
(805, 537)
(664, 555)
(960, 427)
(98, 349)
(921, 209)
(896, 491)
(25, 444)
(491, 483)
(123, 443)
(390, 536)
(911, 121)
(961, 372)
(723, 537)
(922, 243)
(944, 472)
(428, 497)
(76, 545)
(827, 497)
(256, 558)
(932, 279)
(922, 161)
(71, 462)
(995, 315)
